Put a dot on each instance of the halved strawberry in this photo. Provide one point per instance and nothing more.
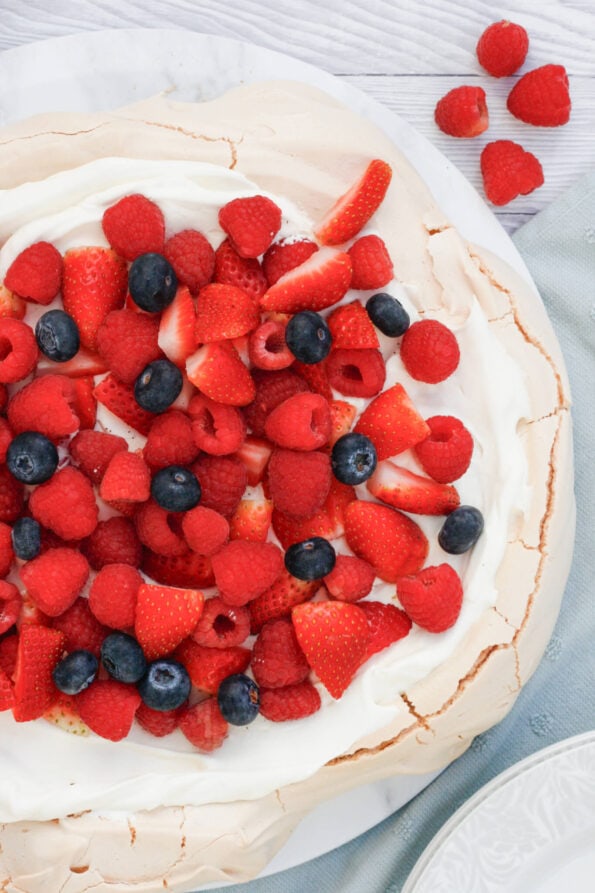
(208, 667)
(351, 327)
(108, 708)
(353, 209)
(39, 650)
(392, 543)
(217, 370)
(255, 453)
(387, 625)
(392, 422)
(83, 363)
(319, 282)
(11, 305)
(224, 311)
(119, 399)
(286, 592)
(251, 520)
(65, 715)
(6, 691)
(176, 337)
(94, 282)
(411, 492)
(342, 416)
(284, 256)
(85, 402)
(190, 569)
(165, 616)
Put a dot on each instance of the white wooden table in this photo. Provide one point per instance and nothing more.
(405, 53)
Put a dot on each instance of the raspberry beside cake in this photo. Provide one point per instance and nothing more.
(415, 705)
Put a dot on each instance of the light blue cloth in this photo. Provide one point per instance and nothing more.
(559, 701)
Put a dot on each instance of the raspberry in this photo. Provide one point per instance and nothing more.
(154, 531)
(350, 579)
(18, 350)
(108, 708)
(12, 496)
(81, 628)
(267, 347)
(158, 723)
(243, 272)
(446, 453)
(508, 170)
(10, 606)
(502, 48)
(208, 667)
(302, 422)
(84, 402)
(222, 625)
(127, 342)
(272, 388)
(277, 659)
(36, 274)
(251, 224)
(66, 504)
(126, 479)
(356, 373)
(217, 429)
(170, 441)
(6, 549)
(351, 327)
(432, 597)
(92, 451)
(292, 702)
(192, 258)
(55, 579)
(205, 530)
(245, 569)
(204, 726)
(462, 112)
(429, 351)
(45, 405)
(371, 263)
(284, 256)
(114, 541)
(8, 654)
(299, 482)
(134, 226)
(222, 480)
(112, 597)
(541, 97)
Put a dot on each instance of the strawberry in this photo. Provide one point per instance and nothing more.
(267, 348)
(223, 481)
(318, 282)
(205, 530)
(10, 605)
(411, 492)
(271, 389)
(11, 305)
(108, 708)
(19, 350)
(217, 370)
(12, 496)
(65, 716)
(326, 522)
(356, 373)
(6, 691)
(39, 650)
(243, 570)
(127, 342)
(81, 628)
(315, 376)
(55, 579)
(8, 653)
(391, 542)
(84, 403)
(334, 637)
(502, 48)
(462, 112)
(432, 598)
(241, 272)
(302, 422)
(508, 170)
(277, 659)
(164, 617)
(350, 579)
(387, 625)
(176, 336)
(112, 597)
(204, 726)
(127, 478)
(255, 454)
(208, 667)
(114, 541)
(350, 327)
(92, 451)
(66, 504)
(353, 209)
(155, 529)
(84, 363)
(189, 569)
(119, 399)
(370, 262)
(251, 520)
(446, 452)
(299, 482)
(46, 405)
(94, 282)
(286, 592)
(342, 416)
(6, 438)
(170, 441)
(224, 311)
(392, 423)
(217, 429)
(158, 723)
(36, 273)
(192, 257)
(134, 226)
(541, 97)
(222, 625)
(251, 224)
(284, 256)
(291, 702)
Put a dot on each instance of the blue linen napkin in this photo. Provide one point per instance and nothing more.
(558, 246)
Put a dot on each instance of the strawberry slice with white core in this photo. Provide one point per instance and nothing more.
(411, 492)
(176, 337)
(352, 210)
(319, 282)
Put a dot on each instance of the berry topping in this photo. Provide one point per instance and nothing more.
(239, 699)
(32, 458)
(461, 530)
(205, 530)
(271, 389)
(353, 458)
(175, 489)
(350, 579)
(36, 273)
(508, 170)
(120, 400)
(370, 262)
(387, 625)
(18, 350)
(112, 597)
(66, 504)
(12, 496)
(430, 351)
(217, 429)
(39, 650)
(164, 617)
(432, 598)
(92, 452)
(284, 256)
(392, 423)
(251, 520)
(353, 209)
(267, 347)
(308, 337)
(158, 722)
(127, 342)
(541, 97)
(108, 708)
(350, 327)
(95, 281)
(123, 658)
(277, 659)
(299, 481)
(342, 415)
(217, 370)
(81, 628)
(126, 479)
(157, 386)
(134, 225)
(318, 282)
(462, 112)
(55, 578)
(311, 559)
(390, 541)
(165, 686)
(302, 422)
(75, 672)
(192, 257)
(388, 314)
(57, 336)
(251, 224)
(26, 538)
(45, 405)
(224, 311)
(502, 48)
(157, 529)
(291, 702)
(278, 601)
(176, 336)
(446, 452)
(411, 492)
(241, 272)
(243, 570)
(223, 481)
(356, 373)
(152, 282)
(222, 625)
(170, 441)
(204, 726)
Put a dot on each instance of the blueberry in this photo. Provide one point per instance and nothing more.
(57, 335)
(152, 282)
(123, 657)
(32, 458)
(26, 538)
(311, 559)
(175, 489)
(388, 314)
(353, 458)
(158, 385)
(165, 685)
(461, 530)
(239, 699)
(75, 672)
(308, 337)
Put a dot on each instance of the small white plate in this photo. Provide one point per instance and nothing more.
(530, 830)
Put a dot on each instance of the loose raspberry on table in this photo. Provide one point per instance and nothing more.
(502, 48)
(66, 504)
(192, 257)
(134, 226)
(222, 625)
(36, 273)
(292, 702)
(55, 579)
(462, 112)
(541, 97)
(114, 541)
(508, 171)
(430, 351)
(277, 659)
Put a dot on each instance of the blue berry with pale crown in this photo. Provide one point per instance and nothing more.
(175, 489)
(57, 335)
(75, 672)
(238, 698)
(308, 337)
(158, 385)
(123, 657)
(353, 458)
(310, 559)
(152, 282)
(26, 538)
(165, 685)
(388, 314)
(31, 457)
(461, 530)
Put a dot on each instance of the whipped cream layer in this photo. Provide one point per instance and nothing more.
(47, 772)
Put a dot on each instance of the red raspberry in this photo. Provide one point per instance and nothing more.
(66, 504)
(356, 373)
(134, 226)
(192, 257)
(284, 256)
(370, 262)
(154, 531)
(299, 482)
(446, 453)
(387, 625)
(36, 274)
(114, 541)
(541, 97)
(508, 170)
(432, 597)
(350, 579)
(92, 451)
(351, 327)
(292, 702)
(108, 708)
(246, 569)
(217, 429)
(170, 441)
(45, 405)
(3, 397)
(222, 625)
(302, 422)
(127, 342)
(251, 224)
(429, 351)
(12, 496)
(502, 48)
(267, 347)
(208, 667)
(81, 628)
(462, 112)
(6, 549)
(272, 388)
(55, 579)
(277, 659)
(126, 479)
(205, 530)
(243, 272)
(189, 569)
(158, 723)
(9, 646)
(11, 602)
(18, 350)
(204, 726)
(222, 480)
(112, 597)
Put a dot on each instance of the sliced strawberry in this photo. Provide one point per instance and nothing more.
(65, 715)
(432, 597)
(119, 399)
(342, 416)
(411, 492)
(177, 338)
(95, 282)
(224, 311)
(189, 569)
(251, 520)
(255, 454)
(315, 375)
(353, 209)
(392, 422)
(286, 592)
(165, 616)
(217, 370)
(387, 625)
(284, 256)
(351, 327)
(319, 282)
(11, 305)
(83, 363)
(6, 691)
(127, 478)
(85, 403)
(108, 708)
(208, 667)
(39, 651)
(391, 542)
